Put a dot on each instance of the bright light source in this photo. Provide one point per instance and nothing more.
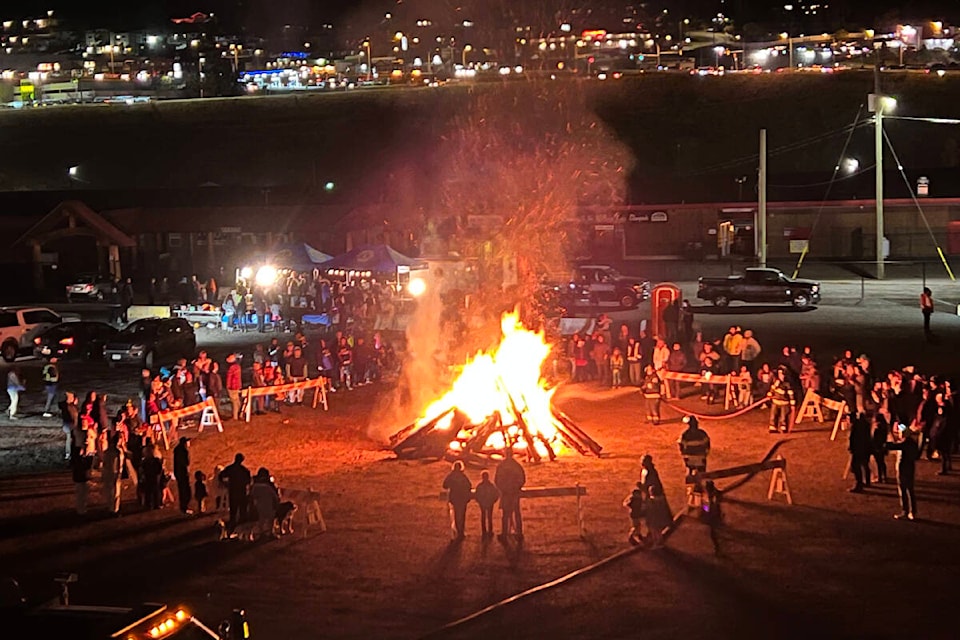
(566, 27)
(850, 165)
(416, 287)
(889, 104)
(941, 72)
(246, 273)
(73, 171)
(266, 275)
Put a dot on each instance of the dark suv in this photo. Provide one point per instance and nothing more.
(151, 341)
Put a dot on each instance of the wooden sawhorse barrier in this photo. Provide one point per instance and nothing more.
(778, 480)
(209, 417)
(318, 384)
(724, 380)
(812, 408)
(577, 491)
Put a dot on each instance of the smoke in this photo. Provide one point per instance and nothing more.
(513, 169)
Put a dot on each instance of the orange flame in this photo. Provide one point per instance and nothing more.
(506, 380)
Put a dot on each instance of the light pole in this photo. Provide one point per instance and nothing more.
(878, 103)
(236, 48)
(110, 49)
(366, 44)
(200, 62)
(463, 58)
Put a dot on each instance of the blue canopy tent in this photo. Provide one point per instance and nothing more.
(371, 259)
(298, 256)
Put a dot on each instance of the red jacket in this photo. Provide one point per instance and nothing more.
(234, 382)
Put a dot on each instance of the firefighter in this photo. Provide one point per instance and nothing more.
(783, 402)
(694, 446)
(652, 389)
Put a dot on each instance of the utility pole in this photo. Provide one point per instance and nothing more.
(762, 208)
(878, 141)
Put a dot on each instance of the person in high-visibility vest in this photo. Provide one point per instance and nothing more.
(51, 378)
(652, 389)
(694, 446)
(783, 402)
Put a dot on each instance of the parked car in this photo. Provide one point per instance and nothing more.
(80, 340)
(600, 285)
(20, 325)
(91, 286)
(150, 341)
(759, 285)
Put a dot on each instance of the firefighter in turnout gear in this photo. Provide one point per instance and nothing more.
(783, 402)
(652, 389)
(694, 446)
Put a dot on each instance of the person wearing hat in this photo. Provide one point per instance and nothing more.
(694, 446)
(51, 377)
(459, 493)
(181, 471)
(234, 384)
(266, 501)
(783, 402)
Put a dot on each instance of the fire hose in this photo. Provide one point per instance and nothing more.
(722, 416)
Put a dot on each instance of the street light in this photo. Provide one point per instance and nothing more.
(463, 58)
(366, 44)
(200, 62)
(110, 49)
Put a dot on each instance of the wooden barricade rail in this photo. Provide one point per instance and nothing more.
(725, 380)
(210, 417)
(319, 395)
(812, 408)
(778, 481)
(577, 491)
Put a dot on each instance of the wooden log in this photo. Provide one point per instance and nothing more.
(577, 432)
(413, 428)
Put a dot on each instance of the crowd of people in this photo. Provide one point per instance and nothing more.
(357, 305)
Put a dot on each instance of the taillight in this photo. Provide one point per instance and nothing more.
(37, 341)
(67, 342)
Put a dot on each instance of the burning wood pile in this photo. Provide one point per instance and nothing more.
(498, 401)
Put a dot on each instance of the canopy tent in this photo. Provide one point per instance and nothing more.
(375, 258)
(298, 256)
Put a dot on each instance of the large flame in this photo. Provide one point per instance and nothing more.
(506, 380)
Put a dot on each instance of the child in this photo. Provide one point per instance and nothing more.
(486, 494)
(167, 495)
(220, 489)
(616, 368)
(713, 514)
(744, 383)
(200, 490)
(635, 503)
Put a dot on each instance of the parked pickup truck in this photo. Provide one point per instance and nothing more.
(759, 285)
(600, 285)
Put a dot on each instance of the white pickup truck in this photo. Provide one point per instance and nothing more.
(20, 325)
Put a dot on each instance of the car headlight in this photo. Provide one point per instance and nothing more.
(815, 288)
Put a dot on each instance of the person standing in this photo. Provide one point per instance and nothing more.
(634, 366)
(908, 452)
(112, 472)
(652, 389)
(181, 471)
(237, 478)
(694, 446)
(80, 466)
(234, 384)
(70, 419)
(783, 402)
(296, 371)
(713, 513)
(151, 473)
(126, 297)
(266, 501)
(616, 368)
(749, 352)
(636, 503)
(926, 308)
(51, 378)
(941, 432)
(14, 387)
(459, 492)
(686, 322)
(510, 478)
(486, 496)
(861, 448)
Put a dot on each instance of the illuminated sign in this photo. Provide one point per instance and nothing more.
(593, 33)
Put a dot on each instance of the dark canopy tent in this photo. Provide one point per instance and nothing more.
(375, 258)
(298, 256)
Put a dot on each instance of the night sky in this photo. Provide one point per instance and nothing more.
(259, 14)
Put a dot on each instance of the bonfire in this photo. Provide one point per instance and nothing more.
(499, 400)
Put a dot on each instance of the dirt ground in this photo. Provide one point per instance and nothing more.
(834, 563)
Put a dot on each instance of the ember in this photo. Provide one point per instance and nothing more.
(499, 400)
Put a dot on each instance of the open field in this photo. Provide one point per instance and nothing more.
(834, 564)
